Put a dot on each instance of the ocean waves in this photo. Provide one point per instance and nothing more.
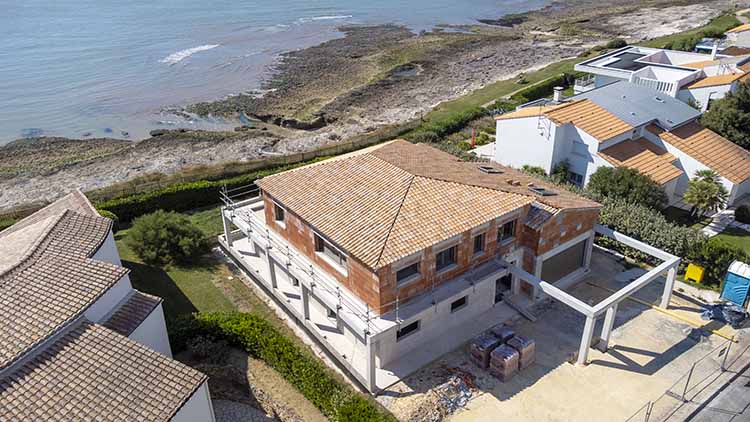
(181, 55)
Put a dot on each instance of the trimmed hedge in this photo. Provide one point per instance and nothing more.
(261, 340)
(716, 256)
(543, 89)
(183, 196)
(742, 214)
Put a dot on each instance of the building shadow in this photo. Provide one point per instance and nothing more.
(155, 281)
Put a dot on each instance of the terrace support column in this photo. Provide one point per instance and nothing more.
(305, 302)
(589, 251)
(609, 322)
(588, 334)
(227, 227)
(372, 351)
(271, 268)
(668, 286)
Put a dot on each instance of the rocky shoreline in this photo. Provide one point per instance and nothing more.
(370, 78)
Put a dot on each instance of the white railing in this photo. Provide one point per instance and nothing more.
(584, 84)
(669, 88)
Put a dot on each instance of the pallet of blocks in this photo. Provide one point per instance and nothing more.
(504, 362)
(526, 350)
(480, 349)
(503, 333)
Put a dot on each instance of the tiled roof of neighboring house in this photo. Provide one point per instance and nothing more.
(715, 80)
(54, 280)
(741, 28)
(717, 153)
(645, 157)
(132, 313)
(701, 64)
(735, 51)
(400, 198)
(74, 201)
(530, 111)
(94, 374)
(591, 118)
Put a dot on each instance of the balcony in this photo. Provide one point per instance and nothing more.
(585, 84)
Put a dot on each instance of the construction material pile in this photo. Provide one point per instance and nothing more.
(725, 312)
(502, 352)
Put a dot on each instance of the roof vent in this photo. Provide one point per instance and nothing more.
(632, 113)
(670, 121)
(489, 170)
(659, 99)
(541, 191)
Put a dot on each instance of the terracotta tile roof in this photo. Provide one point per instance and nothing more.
(530, 111)
(741, 28)
(132, 313)
(717, 153)
(539, 214)
(715, 80)
(54, 280)
(591, 118)
(400, 198)
(94, 374)
(735, 51)
(74, 201)
(700, 64)
(645, 157)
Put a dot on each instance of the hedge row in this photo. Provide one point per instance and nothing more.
(183, 196)
(260, 339)
(543, 89)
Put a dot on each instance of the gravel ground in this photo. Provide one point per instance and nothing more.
(230, 411)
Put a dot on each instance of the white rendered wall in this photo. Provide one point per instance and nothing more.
(743, 39)
(109, 300)
(740, 190)
(152, 332)
(198, 408)
(703, 95)
(436, 322)
(519, 143)
(108, 251)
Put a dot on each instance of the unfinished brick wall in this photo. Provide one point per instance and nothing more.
(565, 226)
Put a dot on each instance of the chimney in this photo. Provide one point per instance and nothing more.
(714, 50)
(558, 95)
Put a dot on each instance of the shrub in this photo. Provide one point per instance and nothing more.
(483, 139)
(304, 371)
(208, 348)
(616, 43)
(650, 226)
(543, 89)
(716, 256)
(628, 184)
(534, 170)
(112, 216)
(163, 238)
(742, 214)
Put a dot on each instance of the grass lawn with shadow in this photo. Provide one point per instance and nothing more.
(736, 237)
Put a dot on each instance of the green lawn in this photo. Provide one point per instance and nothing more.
(736, 237)
(208, 220)
(184, 289)
(683, 218)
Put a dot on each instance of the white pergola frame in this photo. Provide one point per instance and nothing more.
(608, 306)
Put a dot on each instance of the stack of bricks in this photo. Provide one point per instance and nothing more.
(503, 333)
(504, 362)
(480, 349)
(526, 349)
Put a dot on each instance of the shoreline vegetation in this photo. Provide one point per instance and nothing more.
(389, 83)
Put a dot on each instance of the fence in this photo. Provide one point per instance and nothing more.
(694, 385)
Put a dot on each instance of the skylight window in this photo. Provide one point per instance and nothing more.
(541, 191)
(489, 170)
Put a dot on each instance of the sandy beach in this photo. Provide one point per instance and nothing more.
(371, 78)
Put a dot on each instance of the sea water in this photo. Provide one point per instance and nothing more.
(109, 68)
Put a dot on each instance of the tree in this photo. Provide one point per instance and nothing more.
(627, 184)
(705, 192)
(163, 238)
(730, 116)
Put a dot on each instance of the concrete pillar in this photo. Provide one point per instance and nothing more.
(271, 268)
(668, 286)
(227, 227)
(372, 348)
(305, 302)
(588, 334)
(609, 322)
(589, 250)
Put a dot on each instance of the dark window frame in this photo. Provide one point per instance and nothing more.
(440, 258)
(413, 273)
(504, 235)
(482, 238)
(407, 330)
(459, 304)
(279, 211)
(329, 251)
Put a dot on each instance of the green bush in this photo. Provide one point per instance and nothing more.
(742, 214)
(628, 184)
(112, 216)
(483, 139)
(650, 226)
(6, 222)
(716, 256)
(304, 371)
(616, 43)
(534, 170)
(164, 237)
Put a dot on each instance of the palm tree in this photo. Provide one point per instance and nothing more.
(705, 192)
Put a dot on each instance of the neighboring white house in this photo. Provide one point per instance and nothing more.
(78, 342)
(739, 36)
(691, 77)
(622, 124)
